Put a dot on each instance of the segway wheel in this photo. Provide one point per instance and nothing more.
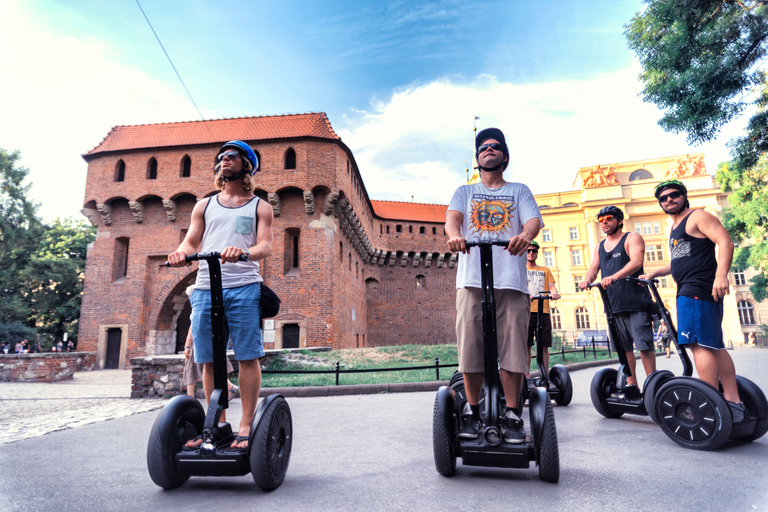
(456, 377)
(652, 385)
(549, 453)
(558, 375)
(757, 405)
(271, 445)
(181, 416)
(603, 385)
(693, 414)
(442, 443)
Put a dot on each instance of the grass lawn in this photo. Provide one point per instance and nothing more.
(381, 357)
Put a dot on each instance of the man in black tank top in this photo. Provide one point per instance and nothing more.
(702, 284)
(618, 256)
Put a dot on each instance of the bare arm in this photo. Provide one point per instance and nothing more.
(594, 268)
(659, 272)
(518, 244)
(194, 236)
(553, 291)
(453, 221)
(711, 227)
(635, 247)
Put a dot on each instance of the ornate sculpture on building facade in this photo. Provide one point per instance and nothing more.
(687, 166)
(598, 176)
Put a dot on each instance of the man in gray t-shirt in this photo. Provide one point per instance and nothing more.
(493, 209)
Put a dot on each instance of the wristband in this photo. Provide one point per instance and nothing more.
(188, 346)
(247, 253)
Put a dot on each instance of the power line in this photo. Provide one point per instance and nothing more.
(169, 60)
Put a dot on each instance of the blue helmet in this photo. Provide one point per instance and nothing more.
(245, 150)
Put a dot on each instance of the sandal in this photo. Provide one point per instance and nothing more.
(238, 440)
(233, 392)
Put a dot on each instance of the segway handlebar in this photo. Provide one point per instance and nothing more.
(206, 256)
(500, 243)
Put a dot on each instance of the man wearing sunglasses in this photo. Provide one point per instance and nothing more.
(701, 251)
(234, 222)
(493, 209)
(540, 279)
(618, 256)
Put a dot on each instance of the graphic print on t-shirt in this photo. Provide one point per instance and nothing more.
(491, 216)
(679, 249)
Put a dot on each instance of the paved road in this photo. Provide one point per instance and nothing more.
(374, 452)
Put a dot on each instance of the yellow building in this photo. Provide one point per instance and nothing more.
(571, 234)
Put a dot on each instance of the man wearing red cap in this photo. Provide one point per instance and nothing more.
(493, 209)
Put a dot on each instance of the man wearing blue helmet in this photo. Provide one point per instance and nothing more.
(493, 209)
(233, 222)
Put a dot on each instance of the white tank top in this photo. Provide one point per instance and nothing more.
(225, 227)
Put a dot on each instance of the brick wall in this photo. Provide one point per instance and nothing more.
(344, 251)
(51, 367)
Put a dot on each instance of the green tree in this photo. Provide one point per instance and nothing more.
(702, 64)
(20, 231)
(53, 279)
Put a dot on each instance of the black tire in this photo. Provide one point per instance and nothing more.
(693, 414)
(652, 385)
(456, 377)
(757, 405)
(561, 379)
(442, 443)
(166, 439)
(603, 385)
(271, 445)
(549, 453)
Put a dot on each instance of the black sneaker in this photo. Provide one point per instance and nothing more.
(738, 411)
(512, 428)
(632, 392)
(471, 426)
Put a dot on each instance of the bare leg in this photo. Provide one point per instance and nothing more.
(511, 383)
(649, 361)
(716, 365)
(631, 364)
(546, 357)
(250, 384)
(191, 389)
(473, 383)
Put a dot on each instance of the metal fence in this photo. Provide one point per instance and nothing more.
(338, 371)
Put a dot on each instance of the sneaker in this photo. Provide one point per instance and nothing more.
(512, 428)
(471, 426)
(738, 411)
(631, 392)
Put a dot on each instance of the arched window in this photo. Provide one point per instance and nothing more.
(291, 256)
(152, 169)
(422, 230)
(120, 258)
(434, 231)
(410, 229)
(569, 204)
(290, 159)
(258, 160)
(399, 228)
(421, 281)
(640, 174)
(555, 317)
(746, 313)
(186, 167)
(582, 318)
(120, 171)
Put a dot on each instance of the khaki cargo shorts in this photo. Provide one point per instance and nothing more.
(513, 311)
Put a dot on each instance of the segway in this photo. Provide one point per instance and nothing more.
(556, 381)
(609, 390)
(270, 439)
(488, 449)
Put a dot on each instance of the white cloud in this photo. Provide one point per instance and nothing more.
(61, 97)
(417, 142)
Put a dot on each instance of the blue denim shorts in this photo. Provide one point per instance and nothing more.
(242, 308)
(700, 321)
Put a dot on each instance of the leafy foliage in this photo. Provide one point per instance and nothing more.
(41, 266)
(702, 62)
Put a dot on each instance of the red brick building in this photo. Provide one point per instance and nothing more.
(351, 272)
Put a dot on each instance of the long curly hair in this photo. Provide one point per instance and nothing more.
(247, 181)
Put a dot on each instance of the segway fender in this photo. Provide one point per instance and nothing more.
(445, 400)
(260, 409)
(537, 408)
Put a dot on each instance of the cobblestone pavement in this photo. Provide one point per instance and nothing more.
(33, 409)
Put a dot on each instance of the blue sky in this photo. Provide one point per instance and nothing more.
(400, 81)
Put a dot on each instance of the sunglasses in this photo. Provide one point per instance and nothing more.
(671, 195)
(532, 250)
(229, 154)
(605, 217)
(482, 148)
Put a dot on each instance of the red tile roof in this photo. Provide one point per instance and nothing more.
(418, 212)
(215, 131)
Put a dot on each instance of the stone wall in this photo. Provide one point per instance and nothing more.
(47, 367)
